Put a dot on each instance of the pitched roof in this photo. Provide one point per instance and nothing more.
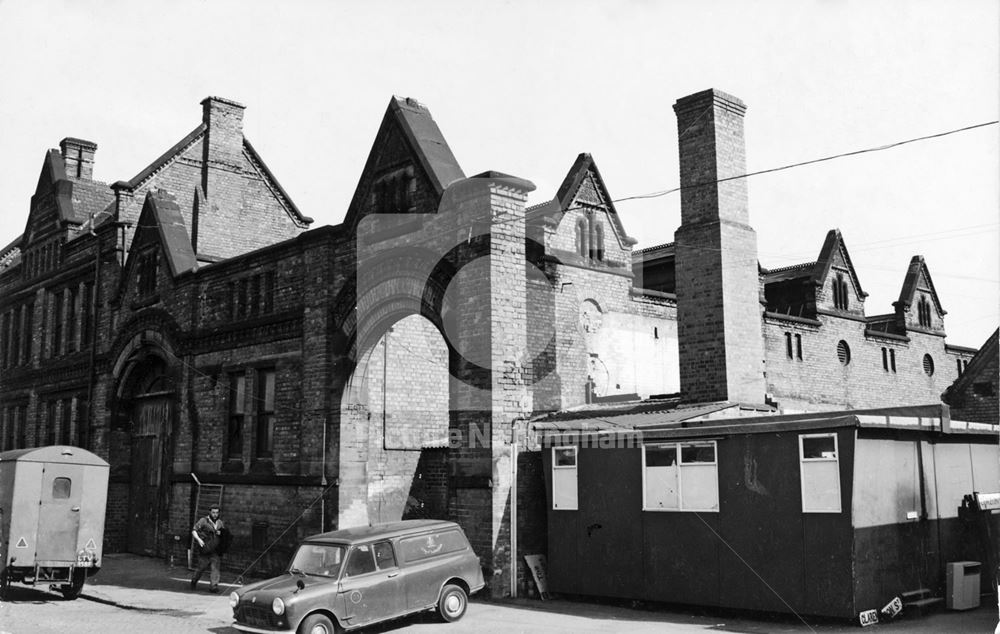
(835, 242)
(582, 167)
(167, 157)
(987, 353)
(425, 141)
(250, 152)
(160, 212)
(909, 289)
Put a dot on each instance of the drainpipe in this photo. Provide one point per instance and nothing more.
(92, 377)
(513, 508)
(322, 495)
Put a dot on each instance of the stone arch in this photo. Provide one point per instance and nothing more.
(144, 404)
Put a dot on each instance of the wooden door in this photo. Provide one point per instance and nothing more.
(151, 416)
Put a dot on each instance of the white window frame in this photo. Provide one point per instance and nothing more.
(681, 467)
(557, 476)
(809, 506)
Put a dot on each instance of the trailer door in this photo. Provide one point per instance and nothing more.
(59, 512)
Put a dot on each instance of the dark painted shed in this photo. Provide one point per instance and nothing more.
(824, 514)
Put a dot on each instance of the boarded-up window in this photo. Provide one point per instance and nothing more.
(681, 477)
(820, 471)
(564, 491)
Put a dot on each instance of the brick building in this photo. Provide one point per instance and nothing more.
(187, 326)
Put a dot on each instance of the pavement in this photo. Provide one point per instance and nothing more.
(147, 583)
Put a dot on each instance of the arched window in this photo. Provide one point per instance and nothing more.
(840, 292)
(582, 238)
(600, 242)
(924, 312)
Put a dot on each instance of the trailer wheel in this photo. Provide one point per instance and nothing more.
(4, 583)
(72, 590)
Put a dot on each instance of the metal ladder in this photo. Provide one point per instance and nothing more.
(205, 497)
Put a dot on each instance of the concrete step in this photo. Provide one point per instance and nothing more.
(920, 607)
(913, 595)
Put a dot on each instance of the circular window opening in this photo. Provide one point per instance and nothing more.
(928, 365)
(843, 352)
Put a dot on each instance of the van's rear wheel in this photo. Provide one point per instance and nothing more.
(453, 603)
(317, 624)
(72, 590)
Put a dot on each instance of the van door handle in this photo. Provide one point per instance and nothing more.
(393, 574)
(75, 509)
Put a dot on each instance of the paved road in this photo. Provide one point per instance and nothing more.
(33, 611)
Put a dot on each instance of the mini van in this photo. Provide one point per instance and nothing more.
(347, 579)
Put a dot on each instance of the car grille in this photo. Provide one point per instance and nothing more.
(257, 615)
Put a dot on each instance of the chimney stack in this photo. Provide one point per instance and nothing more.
(719, 326)
(223, 139)
(79, 157)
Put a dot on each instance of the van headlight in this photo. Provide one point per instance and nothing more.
(234, 600)
(278, 606)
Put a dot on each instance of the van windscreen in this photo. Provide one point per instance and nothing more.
(430, 545)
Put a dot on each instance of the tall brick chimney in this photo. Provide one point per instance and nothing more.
(223, 143)
(719, 326)
(79, 157)
(224, 119)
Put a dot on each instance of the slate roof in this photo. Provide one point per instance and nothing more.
(909, 288)
(427, 142)
(987, 353)
(173, 233)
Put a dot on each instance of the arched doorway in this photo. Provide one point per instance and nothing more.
(144, 413)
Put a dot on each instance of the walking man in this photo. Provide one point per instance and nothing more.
(207, 532)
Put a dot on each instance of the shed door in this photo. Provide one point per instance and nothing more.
(150, 418)
(59, 513)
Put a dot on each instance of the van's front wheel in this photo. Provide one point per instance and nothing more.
(453, 603)
(317, 624)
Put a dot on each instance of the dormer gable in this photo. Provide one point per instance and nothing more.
(409, 166)
(918, 306)
(583, 226)
(838, 289)
(161, 250)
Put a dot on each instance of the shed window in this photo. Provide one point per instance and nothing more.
(680, 477)
(819, 467)
(564, 489)
(61, 488)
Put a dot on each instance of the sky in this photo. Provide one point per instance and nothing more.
(523, 87)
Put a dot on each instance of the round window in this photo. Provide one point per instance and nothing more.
(843, 352)
(928, 365)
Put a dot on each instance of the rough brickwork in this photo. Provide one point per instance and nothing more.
(387, 368)
(718, 309)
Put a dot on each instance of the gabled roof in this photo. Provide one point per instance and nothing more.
(585, 166)
(913, 274)
(425, 142)
(833, 244)
(979, 362)
(161, 214)
(166, 158)
(252, 155)
(76, 199)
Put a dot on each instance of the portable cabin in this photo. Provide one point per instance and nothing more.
(827, 514)
(52, 503)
